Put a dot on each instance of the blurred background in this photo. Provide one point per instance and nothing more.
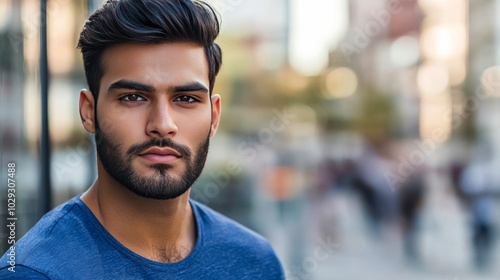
(360, 137)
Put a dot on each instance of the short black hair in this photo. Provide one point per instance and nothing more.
(148, 22)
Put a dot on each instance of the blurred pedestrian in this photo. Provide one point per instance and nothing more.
(477, 184)
(411, 199)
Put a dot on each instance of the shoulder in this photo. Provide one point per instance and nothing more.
(236, 243)
(53, 235)
(219, 226)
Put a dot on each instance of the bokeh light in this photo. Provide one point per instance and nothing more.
(432, 78)
(341, 82)
(491, 80)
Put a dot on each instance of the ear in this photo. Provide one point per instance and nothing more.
(215, 99)
(87, 107)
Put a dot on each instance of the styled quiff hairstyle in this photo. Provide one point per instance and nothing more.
(148, 22)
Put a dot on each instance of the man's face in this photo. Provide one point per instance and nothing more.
(154, 117)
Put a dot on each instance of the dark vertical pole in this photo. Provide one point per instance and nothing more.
(45, 182)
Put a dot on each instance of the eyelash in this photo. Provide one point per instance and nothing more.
(192, 99)
(124, 98)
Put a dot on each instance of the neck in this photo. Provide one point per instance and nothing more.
(160, 230)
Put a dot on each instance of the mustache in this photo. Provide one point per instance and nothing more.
(164, 142)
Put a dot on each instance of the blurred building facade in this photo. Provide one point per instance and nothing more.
(336, 114)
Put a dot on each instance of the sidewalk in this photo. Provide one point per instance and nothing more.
(358, 255)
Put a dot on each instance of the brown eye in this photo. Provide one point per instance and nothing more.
(185, 99)
(132, 98)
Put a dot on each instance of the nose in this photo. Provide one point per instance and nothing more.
(161, 123)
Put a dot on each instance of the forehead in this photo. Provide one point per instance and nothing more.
(160, 65)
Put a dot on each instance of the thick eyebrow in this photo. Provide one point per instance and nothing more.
(194, 86)
(127, 84)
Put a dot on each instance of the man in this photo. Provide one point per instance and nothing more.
(150, 67)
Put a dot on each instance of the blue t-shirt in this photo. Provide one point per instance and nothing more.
(70, 243)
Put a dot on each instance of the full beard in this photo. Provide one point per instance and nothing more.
(160, 185)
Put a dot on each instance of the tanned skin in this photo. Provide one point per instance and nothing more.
(162, 230)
